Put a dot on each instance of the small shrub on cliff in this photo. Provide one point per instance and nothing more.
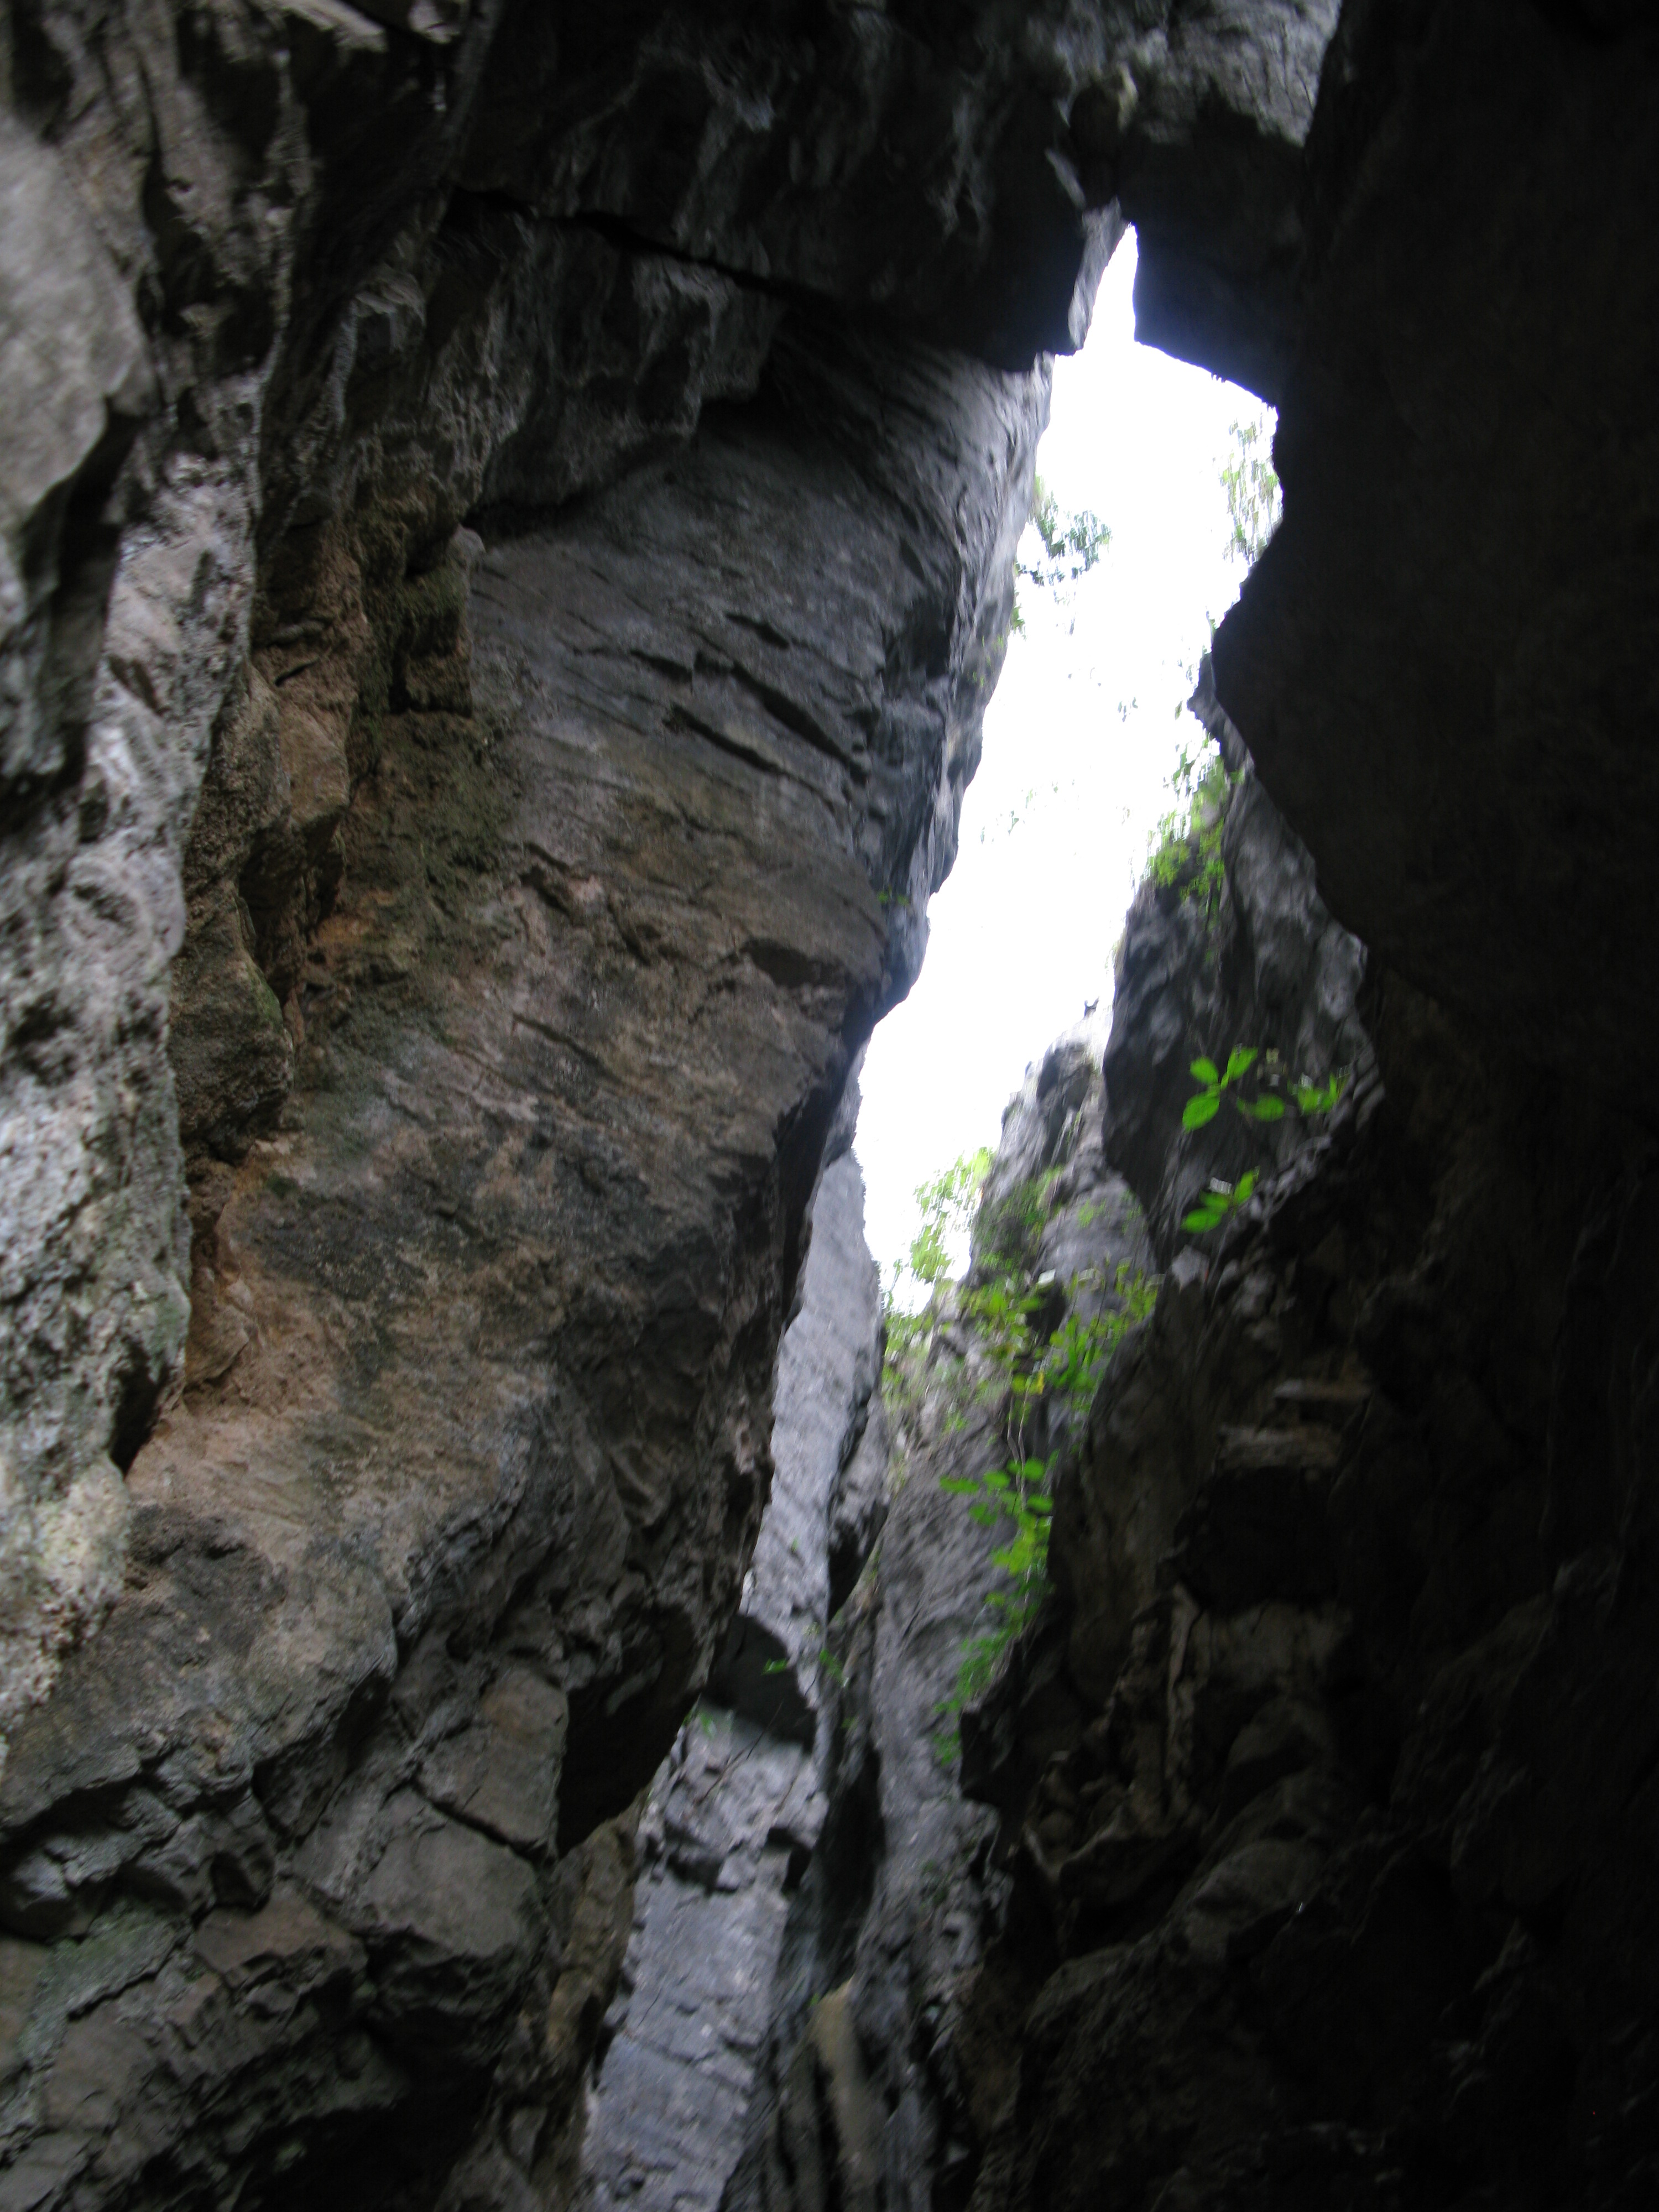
(1274, 1092)
(1186, 847)
(1030, 1371)
(1019, 1369)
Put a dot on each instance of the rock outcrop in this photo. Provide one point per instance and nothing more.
(1324, 1924)
(504, 532)
(1449, 649)
(1296, 1853)
(1203, 968)
(864, 2099)
(735, 1811)
(506, 524)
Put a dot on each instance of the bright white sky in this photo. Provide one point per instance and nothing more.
(1080, 739)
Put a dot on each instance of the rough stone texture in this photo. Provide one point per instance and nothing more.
(521, 831)
(291, 289)
(737, 1809)
(1267, 967)
(447, 878)
(485, 1335)
(861, 2101)
(1329, 1888)
(1316, 1816)
(1445, 665)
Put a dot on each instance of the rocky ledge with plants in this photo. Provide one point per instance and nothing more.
(1296, 1850)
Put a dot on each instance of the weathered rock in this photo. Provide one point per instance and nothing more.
(737, 1809)
(1299, 1855)
(291, 292)
(510, 1277)
(533, 848)
(888, 1938)
(1254, 960)
(1449, 648)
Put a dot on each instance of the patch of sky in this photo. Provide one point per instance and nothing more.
(1080, 741)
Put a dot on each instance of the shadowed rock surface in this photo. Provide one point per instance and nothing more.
(737, 1809)
(1314, 1831)
(1256, 960)
(506, 519)
(861, 2098)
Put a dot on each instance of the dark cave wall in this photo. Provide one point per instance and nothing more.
(1324, 1802)
(511, 546)
(506, 524)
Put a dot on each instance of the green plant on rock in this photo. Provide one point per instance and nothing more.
(1274, 1093)
(948, 1205)
(1029, 1371)
(1072, 544)
(1216, 1201)
(1186, 847)
(1026, 1364)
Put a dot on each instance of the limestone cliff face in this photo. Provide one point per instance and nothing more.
(1299, 1852)
(505, 530)
(739, 1807)
(871, 2093)
(1255, 960)
(508, 520)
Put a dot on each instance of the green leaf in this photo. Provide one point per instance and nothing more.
(960, 1485)
(1205, 1071)
(1238, 1061)
(987, 1516)
(1266, 1108)
(1039, 1503)
(1200, 1110)
(1246, 1185)
(775, 1666)
(998, 1479)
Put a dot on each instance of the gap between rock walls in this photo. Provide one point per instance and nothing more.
(506, 532)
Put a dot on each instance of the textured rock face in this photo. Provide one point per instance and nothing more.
(863, 2099)
(1261, 965)
(447, 877)
(290, 291)
(505, 519)
(1299, 1855)
(1328, 1628)
(448, 1524)
(737, 1809)
(1449, 647)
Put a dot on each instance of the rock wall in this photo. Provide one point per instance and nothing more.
(448, 1524)
(504, 532)
(1257, 962)
(1330, 1913)
(1449, 648)
(1297, 1853)
(737, 1809)
(507, 522)
(867, 2094)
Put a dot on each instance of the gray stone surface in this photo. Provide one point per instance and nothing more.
(739, 1805)
(860, 2098)
(1450, 646)
(1266, 968)
(291, 292)
(504, 531)
(491, 1385)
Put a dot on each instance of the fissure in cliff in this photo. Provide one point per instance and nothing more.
(506, 531)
